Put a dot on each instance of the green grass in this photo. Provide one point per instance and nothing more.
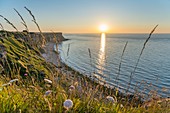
(21, 60)
(28, 93)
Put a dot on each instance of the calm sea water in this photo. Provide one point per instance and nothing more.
(152, 73)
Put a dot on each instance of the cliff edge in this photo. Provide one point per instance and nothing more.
(50, 37)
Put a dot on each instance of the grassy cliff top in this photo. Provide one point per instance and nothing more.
(31, 84)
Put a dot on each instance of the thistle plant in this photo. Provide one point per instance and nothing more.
(68, 104)
(47, 93)
(111, 99)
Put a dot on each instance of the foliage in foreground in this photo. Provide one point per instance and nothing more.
(30, 84)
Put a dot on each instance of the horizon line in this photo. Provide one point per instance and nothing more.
(93, 32)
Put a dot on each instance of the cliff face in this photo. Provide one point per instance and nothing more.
(60, 37)
(54, 37)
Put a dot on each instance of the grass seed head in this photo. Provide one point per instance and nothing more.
(48, 81)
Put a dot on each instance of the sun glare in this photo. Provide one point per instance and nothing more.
(103, 27)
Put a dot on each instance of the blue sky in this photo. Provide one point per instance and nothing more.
(85, 16)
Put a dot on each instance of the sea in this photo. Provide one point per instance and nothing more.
(117, 60)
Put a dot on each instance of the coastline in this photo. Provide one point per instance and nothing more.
(62, 81)
(52, 56)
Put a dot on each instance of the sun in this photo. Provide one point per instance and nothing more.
(103, 27)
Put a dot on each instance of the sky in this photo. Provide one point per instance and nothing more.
(85, 16)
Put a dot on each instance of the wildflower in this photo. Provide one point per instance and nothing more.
(72, 87)
(14, 80)
(25, 74)
(85, 84)
(47, 93)
(47, 80)
(111, 99)
(79, 88)
(68, 104)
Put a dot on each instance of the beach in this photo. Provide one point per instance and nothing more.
(50, 55)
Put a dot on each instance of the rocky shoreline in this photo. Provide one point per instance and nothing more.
(53, 57)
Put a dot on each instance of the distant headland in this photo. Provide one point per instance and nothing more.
(49, 36)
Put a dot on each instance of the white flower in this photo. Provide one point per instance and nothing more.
(14, 80)
(47, 93)
(68, 104)
(111, 99)
(47, 80)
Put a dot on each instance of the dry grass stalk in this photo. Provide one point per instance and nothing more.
(132, 73)
(23, 21)
(144, 47)
(26, 27)
(68, 50)
(9, 22)
(89, 52)
(55, 39)
(2, 27)
(90, 59)
(34, 20)
(121, 62)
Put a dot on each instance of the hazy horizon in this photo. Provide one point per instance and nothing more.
(85, 16)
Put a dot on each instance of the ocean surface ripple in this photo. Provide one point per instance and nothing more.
(153, 70)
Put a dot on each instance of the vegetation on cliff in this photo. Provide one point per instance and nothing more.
(28, 83)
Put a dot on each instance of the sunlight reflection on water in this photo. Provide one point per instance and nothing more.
(101, 57)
